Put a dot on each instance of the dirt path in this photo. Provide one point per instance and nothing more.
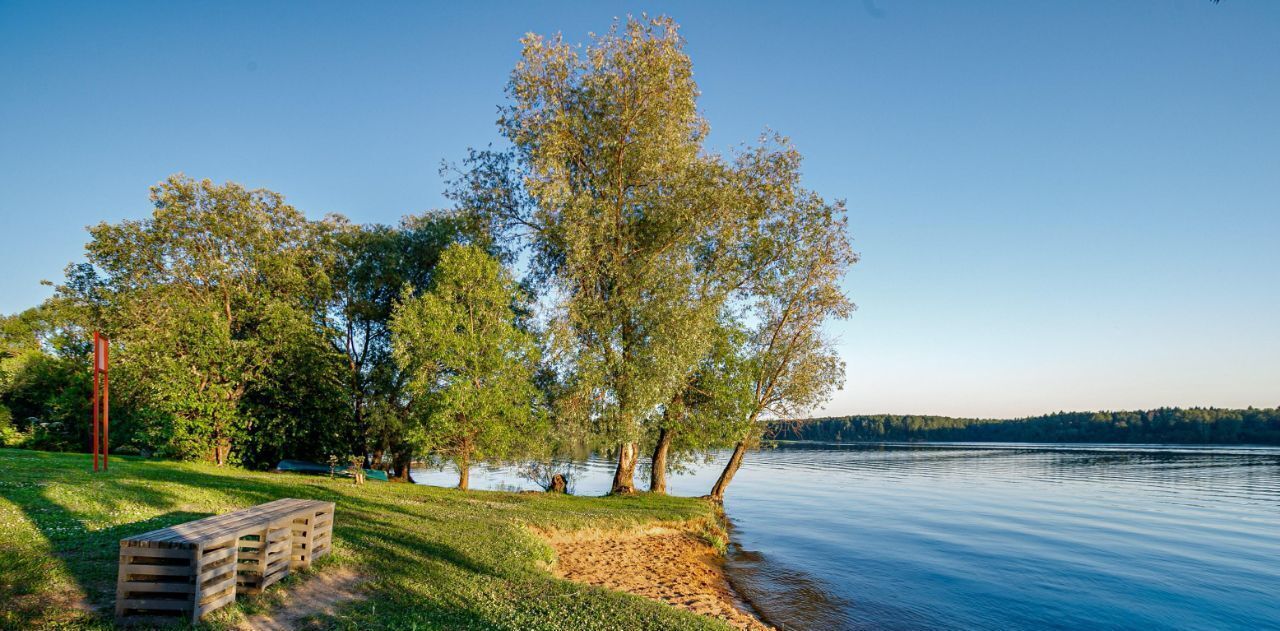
(665, 564)
(321, 594)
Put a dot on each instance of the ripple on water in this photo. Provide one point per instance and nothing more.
(993, 536)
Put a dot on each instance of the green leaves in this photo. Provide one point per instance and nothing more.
(194, 298)
(607, 144)
(652, 251)
(470, 366)
(673, 287)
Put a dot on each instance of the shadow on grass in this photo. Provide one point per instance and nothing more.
(432, 559)
(89, 559)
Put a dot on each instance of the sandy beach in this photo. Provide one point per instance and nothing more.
(667, 563)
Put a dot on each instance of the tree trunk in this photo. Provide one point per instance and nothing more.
(400, 464)
(559, 484)
(464, 472)
(658, 472)
(624, 476)
(221, 449)
(726, 476)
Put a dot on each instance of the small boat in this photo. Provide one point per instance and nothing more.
(315, 468)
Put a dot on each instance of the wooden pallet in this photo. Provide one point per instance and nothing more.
(194, 568)
(312, 532)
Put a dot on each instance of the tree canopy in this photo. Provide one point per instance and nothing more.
(604, 281)
(468, 361)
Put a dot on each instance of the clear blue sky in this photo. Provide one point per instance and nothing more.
(1060, 205)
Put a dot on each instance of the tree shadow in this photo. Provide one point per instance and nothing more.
(89, 559)
(422, 569)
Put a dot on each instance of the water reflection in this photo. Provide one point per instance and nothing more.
(911, 536)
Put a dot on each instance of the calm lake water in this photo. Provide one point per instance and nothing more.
(994, 536)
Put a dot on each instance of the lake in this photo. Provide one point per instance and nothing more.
(993, 536)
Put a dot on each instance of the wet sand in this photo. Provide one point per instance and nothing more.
(668, 564)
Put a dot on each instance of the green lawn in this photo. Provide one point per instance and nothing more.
(435, 558)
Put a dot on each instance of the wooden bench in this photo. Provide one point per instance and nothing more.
(194, 568)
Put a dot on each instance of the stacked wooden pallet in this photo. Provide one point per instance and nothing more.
(194, 568)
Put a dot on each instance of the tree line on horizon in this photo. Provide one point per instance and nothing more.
(1218, 426)
(602, 282)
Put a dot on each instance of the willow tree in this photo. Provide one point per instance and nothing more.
(607, 182)
(470, 365)
(708, 412)
(736, 265)
(799, 258)
(200, 298)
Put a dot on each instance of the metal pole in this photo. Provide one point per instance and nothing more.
(106, 400)
(95, 400)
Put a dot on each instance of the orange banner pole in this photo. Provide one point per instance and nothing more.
(95, 400)
(106, 400)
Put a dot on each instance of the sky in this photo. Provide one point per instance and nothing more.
(1058, 205)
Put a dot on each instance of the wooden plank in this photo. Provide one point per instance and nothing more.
(138, 587)
(213, 544)
(272, 578)
(181, 532)
(243, 526)
(197, 560)
(217, 555)
(225, 568)
(157, 570)
(133, 548)
(268, 563)
(213, 590)
(159, 604)
(215, 604)
(228, 525)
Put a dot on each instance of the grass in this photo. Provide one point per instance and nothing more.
(435, 558)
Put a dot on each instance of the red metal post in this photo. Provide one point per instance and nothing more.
(106, 400)
(95, 400)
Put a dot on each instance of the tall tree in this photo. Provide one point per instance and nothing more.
(187, 296)
(708, 412)
(371, 267)
(607, 181)
(734, 265)
(469, 362)
(802, 255)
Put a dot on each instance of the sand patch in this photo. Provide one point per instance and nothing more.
(320, 594)
(668, 564)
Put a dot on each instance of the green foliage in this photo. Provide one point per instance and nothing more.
(470, 366)
(196, 297)
(611, 137)
(370, 268)
(240, 331)
(299, 407)
(640, 237)
(9, 435)
(799, 262)
(1258, 426)
(714, 408)
(44, 382)
(433, 558)
(679, 294)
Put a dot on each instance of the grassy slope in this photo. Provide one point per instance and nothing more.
(437, 558)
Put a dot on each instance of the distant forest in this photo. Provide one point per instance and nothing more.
(1165, 425)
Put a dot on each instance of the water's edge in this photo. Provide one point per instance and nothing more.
(990, 535)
